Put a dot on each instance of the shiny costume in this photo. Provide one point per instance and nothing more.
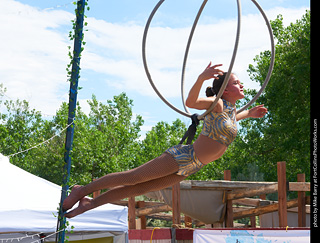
(169, 168)
(221, 127)
(186, 159)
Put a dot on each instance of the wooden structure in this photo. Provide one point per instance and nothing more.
(237, 199)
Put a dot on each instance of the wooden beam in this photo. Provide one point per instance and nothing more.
(147, 204)
(256, 191)
(240, 209)
(282, 194)
(229, 211)
(299, 186)
(168, 217)
(160, 216)
(153, 209)
(264, 209)
(221, 185)
(301, 203)
(253, 202)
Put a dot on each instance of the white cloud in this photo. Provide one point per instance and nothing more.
(33, 46)
(33, 54)
(119, 51)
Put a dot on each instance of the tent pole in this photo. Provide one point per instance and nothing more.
(78, 36)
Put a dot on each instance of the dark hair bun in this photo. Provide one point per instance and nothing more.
(209, 92)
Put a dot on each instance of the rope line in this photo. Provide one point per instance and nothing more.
(46, 141)
(20, 238)
(152, 233)
(30, 236)
(42, 239)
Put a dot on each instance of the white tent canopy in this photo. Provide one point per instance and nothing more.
(28, 204)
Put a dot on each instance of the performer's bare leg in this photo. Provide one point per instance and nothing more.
(159, 167)
(121, 192)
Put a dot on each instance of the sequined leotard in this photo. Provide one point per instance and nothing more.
(221, 127)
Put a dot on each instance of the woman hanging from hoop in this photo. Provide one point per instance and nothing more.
(180, 161)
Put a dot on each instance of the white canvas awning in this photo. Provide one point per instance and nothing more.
(28, 204)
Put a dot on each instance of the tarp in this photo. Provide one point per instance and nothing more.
(204, 205)
(271, 220)
(28, 204)
(254, 236)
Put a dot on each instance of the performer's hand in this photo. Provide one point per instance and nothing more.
(258, 111)
(211, 72)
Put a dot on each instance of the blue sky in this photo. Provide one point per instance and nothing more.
(34, 53)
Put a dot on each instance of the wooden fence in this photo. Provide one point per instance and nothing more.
(237, 193)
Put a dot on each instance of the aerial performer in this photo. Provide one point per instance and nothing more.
(180, 161)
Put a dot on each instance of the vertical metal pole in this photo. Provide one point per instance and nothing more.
(78, 35)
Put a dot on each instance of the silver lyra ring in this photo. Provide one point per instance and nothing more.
(224, 85)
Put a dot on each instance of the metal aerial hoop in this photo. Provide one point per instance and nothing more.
(186, 112)
(273, 53)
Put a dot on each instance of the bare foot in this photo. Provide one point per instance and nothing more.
(84, 205)
(73, 198)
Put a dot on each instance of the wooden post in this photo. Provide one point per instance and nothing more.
(301, 203)
(96, 193)
(253, 221)
(132, 212)
(263, 197)
(143, 219)
(282, 194)
(176, 204)
(187, 221)
(229, 211)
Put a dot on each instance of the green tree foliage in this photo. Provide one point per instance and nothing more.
(161, 137)
(21, 128)
(105, 141)
(284, 134)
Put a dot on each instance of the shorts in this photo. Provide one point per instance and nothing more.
(186, 159)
